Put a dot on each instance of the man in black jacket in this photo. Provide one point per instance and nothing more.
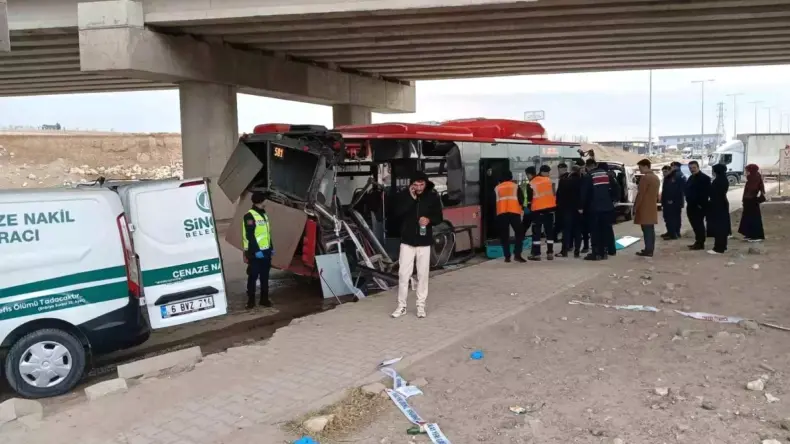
(672, 200)
(697, 197)
(569, 202)
(559, 222)
(598, 192)
(419, 209)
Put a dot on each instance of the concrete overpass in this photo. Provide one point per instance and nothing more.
(357, 55)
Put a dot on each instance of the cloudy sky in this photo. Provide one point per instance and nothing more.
(600, 106)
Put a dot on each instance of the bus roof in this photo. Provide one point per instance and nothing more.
(478, 129)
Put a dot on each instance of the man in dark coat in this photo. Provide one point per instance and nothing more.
(672, 200)
(719, 210)
(569, 202)
(598, 192)
(697, 197)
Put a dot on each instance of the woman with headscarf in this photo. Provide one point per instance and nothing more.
(751, 226)
(719, 210)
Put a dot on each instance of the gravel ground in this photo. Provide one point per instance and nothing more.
(596, 375)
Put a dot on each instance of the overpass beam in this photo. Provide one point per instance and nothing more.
(350, 115)
(209, 133)
(114, 41)
(5, 29)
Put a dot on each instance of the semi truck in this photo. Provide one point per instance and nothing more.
(760, 149)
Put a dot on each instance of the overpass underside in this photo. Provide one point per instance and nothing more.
(485, 39)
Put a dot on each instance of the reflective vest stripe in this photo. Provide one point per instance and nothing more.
(262, 231)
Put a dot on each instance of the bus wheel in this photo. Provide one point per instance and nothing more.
(45, 363)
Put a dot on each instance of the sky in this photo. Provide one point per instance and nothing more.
(600, 106)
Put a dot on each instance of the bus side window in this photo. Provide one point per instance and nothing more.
(455, 179)
(470, 159)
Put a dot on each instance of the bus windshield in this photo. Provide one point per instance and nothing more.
(292, 171)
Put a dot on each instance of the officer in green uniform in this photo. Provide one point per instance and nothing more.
(258, 249)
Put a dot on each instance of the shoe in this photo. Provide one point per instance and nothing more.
(250, 304)
(713, 252)
(612, 253)
(667, 236)
(576, 254)
(520, 259)
(400, 311)
(533, 258)
(421, 312)
(266, 302)
(562, 254)
(550, 256)
(696, 247)
(592, 257)
(643, 253)
(585, 250)
(507, 260)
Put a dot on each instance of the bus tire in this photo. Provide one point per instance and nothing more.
(24, 361)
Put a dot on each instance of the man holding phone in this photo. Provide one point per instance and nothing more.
(419, 209)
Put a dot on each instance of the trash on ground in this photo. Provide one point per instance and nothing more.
(756, 267)
(771, 398)
(476, 355)
(711, 317)
(756, 385)
(518, 410)
(305, 440)
(389, 362)
(776, 326)
(618, 307)
(416, 430)
(400, 385)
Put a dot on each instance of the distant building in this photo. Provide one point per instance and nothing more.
(682, 141)
(632, 146)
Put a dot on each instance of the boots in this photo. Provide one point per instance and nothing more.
(250, 302)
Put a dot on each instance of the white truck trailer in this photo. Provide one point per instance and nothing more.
(760, 149)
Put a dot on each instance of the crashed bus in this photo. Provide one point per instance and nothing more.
(333, 189)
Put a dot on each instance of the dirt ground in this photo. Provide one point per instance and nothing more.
(596, 375)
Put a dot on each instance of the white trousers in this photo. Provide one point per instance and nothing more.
(408, 256)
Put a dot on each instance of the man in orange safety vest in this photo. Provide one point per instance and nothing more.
(509, 207)
(542, 205)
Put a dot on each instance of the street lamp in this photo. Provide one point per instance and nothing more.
(734, 113)
(650, 116)
(758, 102)
(702, 113)
(769, 108)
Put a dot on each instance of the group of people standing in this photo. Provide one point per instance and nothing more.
(581, 206)
(706, 202)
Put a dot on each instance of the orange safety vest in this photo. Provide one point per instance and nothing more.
(507, 198)
(542, 194)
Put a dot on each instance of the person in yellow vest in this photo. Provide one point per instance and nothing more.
(509, 207)
(258, 249)
(542, 205)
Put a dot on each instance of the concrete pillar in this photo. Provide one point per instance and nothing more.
(5, 32)
(350, 115)
(209, 133)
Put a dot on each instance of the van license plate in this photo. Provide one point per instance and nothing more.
(186, 307)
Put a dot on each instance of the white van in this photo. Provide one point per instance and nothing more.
(78, 268)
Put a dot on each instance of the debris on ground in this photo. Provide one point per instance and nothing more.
(317, 424)
(19, 409)
(476, 355)
(757, 385)
(355, 411)
(771, 398)
(617, 307)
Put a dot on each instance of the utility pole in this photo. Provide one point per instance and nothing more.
(758, 102)
(734, 113)
(702, 113)
(769, 108)
(650, 116)
(720, 131)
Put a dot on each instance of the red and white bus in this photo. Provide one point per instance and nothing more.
(358, 169)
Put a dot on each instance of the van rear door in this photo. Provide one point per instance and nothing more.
(175, 240)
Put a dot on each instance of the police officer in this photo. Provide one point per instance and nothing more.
(258, 249)
(542, 204)
(509, 204)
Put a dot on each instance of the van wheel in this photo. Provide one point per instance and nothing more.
(45, 363)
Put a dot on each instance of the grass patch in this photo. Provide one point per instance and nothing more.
(354, 412)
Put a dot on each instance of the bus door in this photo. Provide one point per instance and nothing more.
(491, 172)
